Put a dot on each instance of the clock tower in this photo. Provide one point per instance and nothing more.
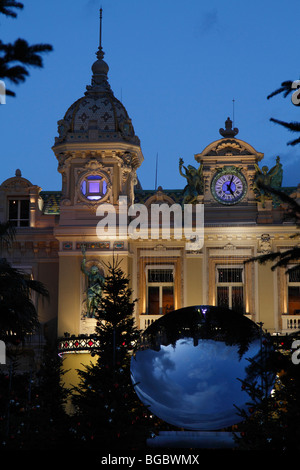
(229, 166)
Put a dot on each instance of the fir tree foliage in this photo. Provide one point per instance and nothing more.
(108, 414)
(286, 88)
(271, 421)
(47, 424)
(32, 404)
(289, 258)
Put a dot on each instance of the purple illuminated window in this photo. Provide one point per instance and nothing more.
(94, 187)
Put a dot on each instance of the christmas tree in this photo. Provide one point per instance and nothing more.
(108, 413)
(47, 423)
(32, 406)
(271, 421)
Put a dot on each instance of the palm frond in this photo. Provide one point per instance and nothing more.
(7, 5)
(30, 55)
(16, 74)
(17, 310)
(15, 58)
(7, 235)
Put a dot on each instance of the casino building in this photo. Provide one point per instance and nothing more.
(98, 156)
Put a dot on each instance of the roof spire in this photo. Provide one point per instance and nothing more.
(100, 52)
(100, 67)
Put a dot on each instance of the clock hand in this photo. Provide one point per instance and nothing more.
(229, 185)
(229, 188)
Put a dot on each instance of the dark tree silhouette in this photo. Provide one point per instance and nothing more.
(17, 57)
(109, 414)
(6, 7)
(7, 234)
(292, 255)
(286, 88)
(18, 315)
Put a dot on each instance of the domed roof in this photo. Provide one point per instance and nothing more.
(98, 116)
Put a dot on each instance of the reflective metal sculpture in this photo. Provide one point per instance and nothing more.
(190, 364)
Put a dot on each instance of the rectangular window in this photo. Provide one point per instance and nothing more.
(294, 292)
(230, 287)
(160, 290)
(18, 212)
(160, 275)
(153, 300)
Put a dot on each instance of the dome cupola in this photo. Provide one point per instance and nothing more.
(97, 150)
(98, 116)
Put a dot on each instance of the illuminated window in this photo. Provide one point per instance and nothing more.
(94, 187)
(18, 212)
(160, 290)
(294, 292)
(230, 287)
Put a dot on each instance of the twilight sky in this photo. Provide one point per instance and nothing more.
(176, 66)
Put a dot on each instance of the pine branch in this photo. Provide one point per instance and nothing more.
(294, 142)
(282, 259)
(292, 126)
(286, 88)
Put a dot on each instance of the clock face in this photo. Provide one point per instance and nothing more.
(229, 187)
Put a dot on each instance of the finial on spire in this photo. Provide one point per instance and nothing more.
(100, 53)
(229, 131)
(100, 67)
(100, 39)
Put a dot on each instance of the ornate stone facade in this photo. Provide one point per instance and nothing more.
(98, 157)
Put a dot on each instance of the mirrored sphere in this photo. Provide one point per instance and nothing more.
(189, 366)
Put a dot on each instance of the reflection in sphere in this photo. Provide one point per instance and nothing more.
(189, 365)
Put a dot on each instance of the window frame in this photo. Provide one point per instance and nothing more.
(18, 220)
(160, 285)
(88, 180)
(292, 284)
(230, 285)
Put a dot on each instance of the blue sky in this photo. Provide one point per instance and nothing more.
(176, 66)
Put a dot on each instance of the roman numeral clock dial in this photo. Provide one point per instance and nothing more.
(229, 186)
